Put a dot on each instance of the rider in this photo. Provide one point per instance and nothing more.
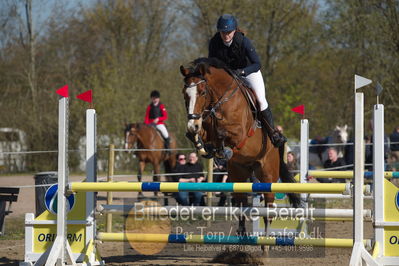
(231, 46)
(156, 115)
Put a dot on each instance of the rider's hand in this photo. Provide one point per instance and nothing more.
(239, 72)
(155, 121)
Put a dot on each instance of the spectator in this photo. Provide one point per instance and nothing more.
(287, 148)
(369, 149)
(219, 169)
(349, 154)
(280, 128)
(394, 137)
(292, 163)
(332, 162)
(219, 175)
(192, 173)
(180, 169)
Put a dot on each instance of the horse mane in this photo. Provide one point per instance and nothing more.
(207, 63)
(137, 125)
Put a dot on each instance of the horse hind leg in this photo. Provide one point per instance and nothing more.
(236, 174)
(240, 201)
(269, 203)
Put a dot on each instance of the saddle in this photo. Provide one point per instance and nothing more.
(249, 94)
(158, 131)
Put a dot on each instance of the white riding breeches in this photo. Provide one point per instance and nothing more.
(257, 84)
(163, 130)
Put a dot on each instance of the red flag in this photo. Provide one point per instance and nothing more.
(299, 109)
(86, 96)
(63, 91)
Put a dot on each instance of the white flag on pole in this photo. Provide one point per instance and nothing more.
(361, 82)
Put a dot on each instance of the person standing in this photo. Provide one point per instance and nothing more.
(156, 115)
(231, 46)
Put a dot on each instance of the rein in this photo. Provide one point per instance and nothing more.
(222, 100)
(211, 112)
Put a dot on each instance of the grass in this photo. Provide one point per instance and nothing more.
(14, 228)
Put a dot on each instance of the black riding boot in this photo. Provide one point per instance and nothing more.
(275, 136)
(167, 145)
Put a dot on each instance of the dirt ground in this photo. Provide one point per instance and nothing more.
(116, 253)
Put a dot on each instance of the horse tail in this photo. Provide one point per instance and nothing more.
(168, 168)
(288, 177)
(169, 165)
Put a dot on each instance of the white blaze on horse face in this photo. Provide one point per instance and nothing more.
(191, 91)
(342, 133)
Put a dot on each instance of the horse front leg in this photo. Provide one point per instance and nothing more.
(139, 174)
(156, 176)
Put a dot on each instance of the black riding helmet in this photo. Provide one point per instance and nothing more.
(155, 94)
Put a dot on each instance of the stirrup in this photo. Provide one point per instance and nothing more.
(277, 139)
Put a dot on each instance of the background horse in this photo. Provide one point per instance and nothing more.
(221, 121)
(147, 137)
(318, 154)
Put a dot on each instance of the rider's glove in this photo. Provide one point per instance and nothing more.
(240, 72)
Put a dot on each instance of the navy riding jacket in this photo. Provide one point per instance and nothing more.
(240, 54)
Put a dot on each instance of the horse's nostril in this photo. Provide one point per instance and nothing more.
(196, 127)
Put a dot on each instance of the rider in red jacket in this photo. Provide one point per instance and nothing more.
(156, 115)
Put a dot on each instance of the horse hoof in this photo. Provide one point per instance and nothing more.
(265, 250)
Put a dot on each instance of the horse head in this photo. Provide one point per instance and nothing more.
(341, 134)
(205, 81)
(131, 135)
(208, 86)
(196, 95)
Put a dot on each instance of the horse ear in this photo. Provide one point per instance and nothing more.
(184, 71)
(203, 69)
(346, 126)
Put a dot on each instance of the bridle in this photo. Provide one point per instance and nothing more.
(128, 134)
(211, 112)
(212, 109)
(197, 116)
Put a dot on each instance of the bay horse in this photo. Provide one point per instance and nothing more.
(147, 137)
(222, 123)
